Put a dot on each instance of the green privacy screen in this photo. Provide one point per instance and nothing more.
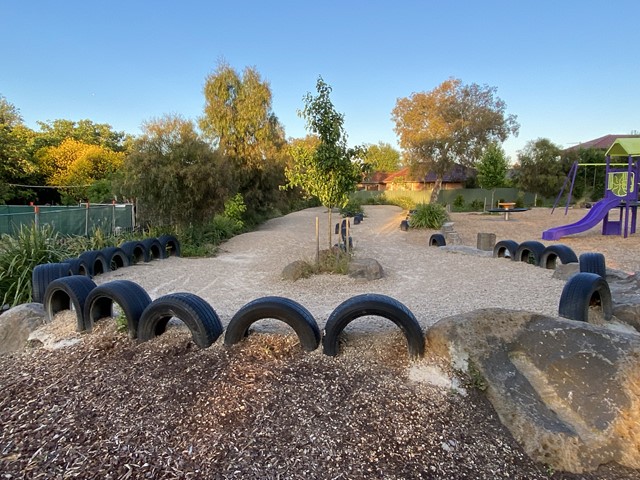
(74, 220)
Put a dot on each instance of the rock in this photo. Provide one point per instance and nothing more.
(568, 391)
(367, 268)
(17, 323)
(565, 270)
(295, 270)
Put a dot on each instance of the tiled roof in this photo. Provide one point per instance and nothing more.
(457, 174)
(601, 143)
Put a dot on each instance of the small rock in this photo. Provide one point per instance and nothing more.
(367, 268)
(294, 271)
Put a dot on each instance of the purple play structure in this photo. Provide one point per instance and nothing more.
(621, 195)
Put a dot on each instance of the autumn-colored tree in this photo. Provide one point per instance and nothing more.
(174, 174)
(451, 124)
(331, 170)
(53, 133)
(239, 120)
(74, 166)
(382, 158)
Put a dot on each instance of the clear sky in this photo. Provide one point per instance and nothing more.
(569, 70)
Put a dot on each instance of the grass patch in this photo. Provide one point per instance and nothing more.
(429, 215)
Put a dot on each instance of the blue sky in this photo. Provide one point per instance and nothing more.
(569, 70)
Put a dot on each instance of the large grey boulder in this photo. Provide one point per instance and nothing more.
(625, 296)
(568, 391)
(17, 323)
(365, 268)
(295, 270)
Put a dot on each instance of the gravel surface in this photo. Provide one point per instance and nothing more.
(110, 408)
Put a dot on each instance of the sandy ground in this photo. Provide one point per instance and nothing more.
(433, 283)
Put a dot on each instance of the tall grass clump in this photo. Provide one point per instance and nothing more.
(20, 253)
(428, 215)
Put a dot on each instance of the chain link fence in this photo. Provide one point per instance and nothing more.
(83, 219)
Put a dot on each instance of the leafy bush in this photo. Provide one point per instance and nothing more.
(19, 254)
(406, 203)
(428, 215)
(354, 206)
(376, 200)
(234, 209)
(476, 205)
(458, 202)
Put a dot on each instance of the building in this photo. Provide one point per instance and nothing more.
(403, 180)
(600, 143)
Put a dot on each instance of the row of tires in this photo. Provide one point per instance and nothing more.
(536, 253)
(146, 319)
(96, 262)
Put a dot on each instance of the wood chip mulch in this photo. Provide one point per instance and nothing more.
(108, 408)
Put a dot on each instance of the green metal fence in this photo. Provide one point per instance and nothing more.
(83, 219)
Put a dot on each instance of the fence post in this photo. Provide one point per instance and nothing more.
(36, 216)
(113, 217)
(86, 221)
(317, 240)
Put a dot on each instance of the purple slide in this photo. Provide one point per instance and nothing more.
(596, 214)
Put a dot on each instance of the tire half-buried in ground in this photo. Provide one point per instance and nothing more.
(582, 292)
(529, 252)
(95, 261)
(592, 262)
(197, 315)
(505, 249)
(437, 240)
(42, 275)
(77, 266)
(280, 308)
(170, 245)
(378, 305)
(116, 257)
(136, 251)
(130, 296)
(65, 292)
(154, 249)
(553, 253)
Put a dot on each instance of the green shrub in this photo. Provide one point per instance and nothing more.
(234, 209)
(20, 253)
(476, 205)
(428, 215)
(406, 203)
(354, 206)
(458, 202)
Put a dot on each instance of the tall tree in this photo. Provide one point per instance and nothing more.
(451, 124)
(382, 158)
(53, 133)
(492, 169)
(331, 170)
(239, 120)
(540, 168)
(174, 174)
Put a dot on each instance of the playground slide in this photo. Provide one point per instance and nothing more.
(596, 214)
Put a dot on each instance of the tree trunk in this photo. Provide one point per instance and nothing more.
(329, 228)
(437, 186)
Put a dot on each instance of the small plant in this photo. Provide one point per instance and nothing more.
(458, 202)
(406, 203)
(122, 325)
(476, 205)
(428, 215)
(234, 209)
(476, 380)
(350, 209)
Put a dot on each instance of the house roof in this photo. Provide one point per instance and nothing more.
(457, 174)
(601, 143)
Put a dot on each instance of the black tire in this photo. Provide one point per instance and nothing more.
(289, 311)
(95, 261)
(135, 251)
(77, 266)
(131, 297)
(553, 253)
(356, 220)
(170, 245)
(116, 257)
(582, 291)
(437, 240)
(404, 225)
(373, 304)
(154, 249)
(593, 262)
(42, 275)
(505, 249)
(64, 292)
(197, 314)
(529, 252)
